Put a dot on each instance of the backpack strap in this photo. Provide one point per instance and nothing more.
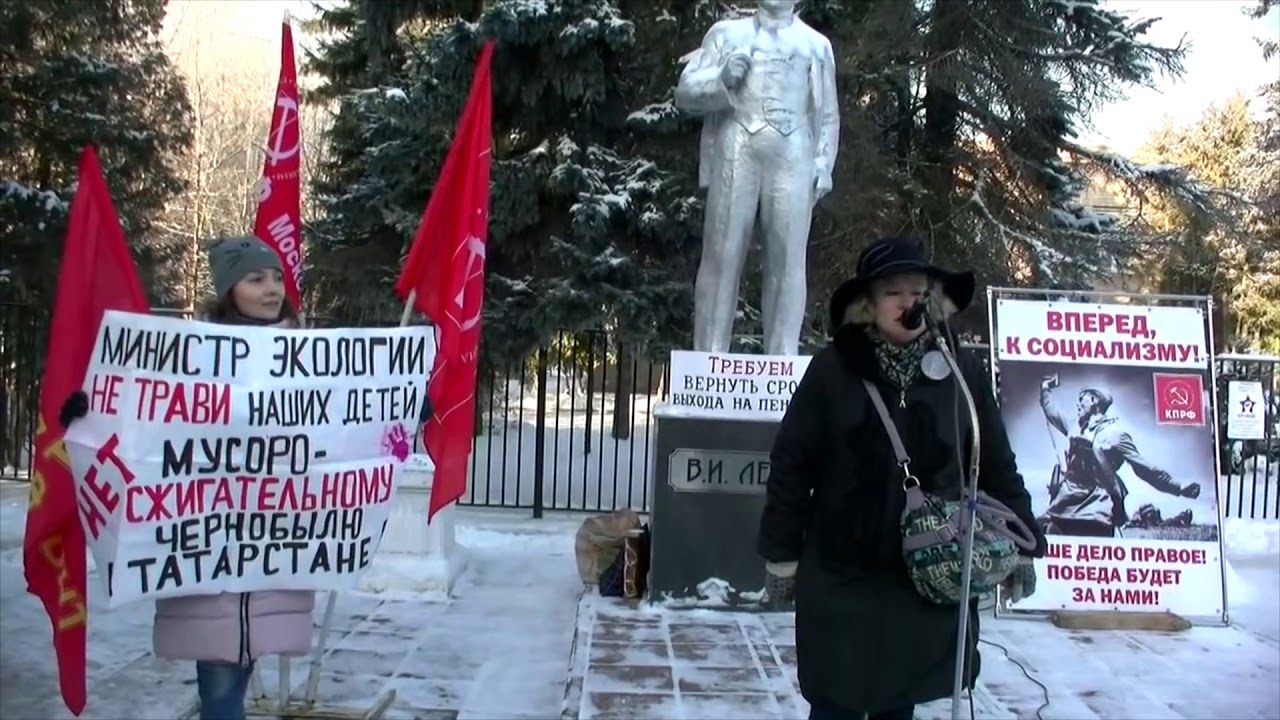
(998, 516)
(899, 450)
(916, 499)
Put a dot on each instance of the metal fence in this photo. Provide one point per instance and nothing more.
(1250, 468)
(570, 427)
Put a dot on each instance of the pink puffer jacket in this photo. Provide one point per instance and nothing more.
(234, 627)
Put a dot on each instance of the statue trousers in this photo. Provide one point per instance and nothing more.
(765, 177)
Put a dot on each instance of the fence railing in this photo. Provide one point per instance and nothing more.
(570, 427)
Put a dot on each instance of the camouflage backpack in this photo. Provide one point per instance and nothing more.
(933, 533)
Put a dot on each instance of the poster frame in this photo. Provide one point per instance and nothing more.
(1206, 304)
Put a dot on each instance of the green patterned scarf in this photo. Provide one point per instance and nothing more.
(900, 364)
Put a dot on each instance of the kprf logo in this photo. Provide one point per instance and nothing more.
(1179, 399)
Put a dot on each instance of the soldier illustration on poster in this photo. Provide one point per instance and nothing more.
(1087, 495)
(1111, 468)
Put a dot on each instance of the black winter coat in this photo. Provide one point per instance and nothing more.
(866, 641)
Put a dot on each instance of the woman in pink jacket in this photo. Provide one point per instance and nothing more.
(225, 633)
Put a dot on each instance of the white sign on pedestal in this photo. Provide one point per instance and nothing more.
(1246, 408)
(733, 385)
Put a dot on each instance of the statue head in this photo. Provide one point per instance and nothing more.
(776, 7)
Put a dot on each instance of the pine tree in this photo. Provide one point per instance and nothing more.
(1258, 294)
(1041, 68)
(1238, 158)
(75, 72)
(959, 124)
(973, 109)
(585, 229)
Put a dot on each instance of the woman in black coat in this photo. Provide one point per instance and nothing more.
(867, 642)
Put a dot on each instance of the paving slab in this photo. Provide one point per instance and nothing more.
(645, 662)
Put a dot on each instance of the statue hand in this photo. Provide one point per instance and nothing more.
(735, 70)
(821, 184)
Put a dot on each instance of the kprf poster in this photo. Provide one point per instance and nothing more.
(1109, 414)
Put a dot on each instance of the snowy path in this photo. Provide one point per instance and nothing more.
(689, 664)
(518, 633)
(500, 648)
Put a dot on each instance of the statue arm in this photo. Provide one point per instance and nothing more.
(828, 111)
(700, 90)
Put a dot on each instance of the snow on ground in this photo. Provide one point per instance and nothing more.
(707, 664)
(1253, 575)
(519, 641)
(499, 648)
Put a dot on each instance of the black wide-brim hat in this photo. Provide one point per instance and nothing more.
(897, 256)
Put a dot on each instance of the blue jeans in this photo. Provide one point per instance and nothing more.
(223, 687)
(822, 711)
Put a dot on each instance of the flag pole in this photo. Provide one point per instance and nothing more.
(408, 307)
(302, 314)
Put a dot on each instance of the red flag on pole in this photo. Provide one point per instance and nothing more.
(97, 274)
(279, 219)
(443, 277)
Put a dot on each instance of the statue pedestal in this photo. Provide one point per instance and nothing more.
(711, 470)
(708, 493)
(416, 556)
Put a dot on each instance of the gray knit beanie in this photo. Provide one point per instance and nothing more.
(231, 259)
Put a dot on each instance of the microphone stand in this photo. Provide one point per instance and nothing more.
(968, 517)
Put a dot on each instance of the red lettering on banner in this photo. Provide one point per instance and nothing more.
(1096, 578)
(1059, 550)
(105, 393)
(1133, 325)
(99, 498)
(1172, 556)
(222, 498)
(195, 403)
(1077, 348)
(343, 490)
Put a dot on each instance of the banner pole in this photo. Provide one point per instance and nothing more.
(408, 307)
(1216, 439)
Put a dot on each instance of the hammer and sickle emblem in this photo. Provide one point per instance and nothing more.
(287, 108)
(474, 272)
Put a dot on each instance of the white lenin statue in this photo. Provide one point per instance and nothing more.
(766, 86)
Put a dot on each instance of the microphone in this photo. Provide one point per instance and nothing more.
(915, 314)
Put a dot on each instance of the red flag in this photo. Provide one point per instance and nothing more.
(280, 189)
(445, 274)
(97, 274)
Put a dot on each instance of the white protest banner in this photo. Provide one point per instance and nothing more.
(1246, 408)
(1108, 412)
(220, 458)
(732, 385)
(1133, 335)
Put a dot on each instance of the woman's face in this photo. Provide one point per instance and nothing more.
(260, 295)
(893, 296)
